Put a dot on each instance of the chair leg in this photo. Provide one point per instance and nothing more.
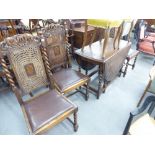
(100, 82)
(86, 72)
(75, 121)
(133, 66)
(79, 68)
(87, 91)
(126, 67)
(120, 72)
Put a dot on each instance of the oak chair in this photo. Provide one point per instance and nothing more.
(141, 120)
(133, 53)
(49, 107)
(65, 79)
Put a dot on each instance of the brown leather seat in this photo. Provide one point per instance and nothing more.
(46, 108)
(68, 78)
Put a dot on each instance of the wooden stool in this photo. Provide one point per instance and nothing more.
(131, 55)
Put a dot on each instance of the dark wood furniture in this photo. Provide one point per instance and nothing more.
(7, 28)
(143, 124)
(109, 54)
(133, 54)
(65, 79)
(109, 67)
(79, 33)
(10, 27)
(41, 111)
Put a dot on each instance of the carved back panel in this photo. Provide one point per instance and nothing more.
(55, 44)
(26, 61)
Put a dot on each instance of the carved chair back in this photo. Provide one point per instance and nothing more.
(26, 62)
(55, 44)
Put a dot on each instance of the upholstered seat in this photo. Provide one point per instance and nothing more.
(146, 47)
(145, 125)
(47, 107)
(149, 38)
(66, 79)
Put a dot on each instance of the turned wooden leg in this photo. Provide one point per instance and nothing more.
(120, 72)
(100, 82)
(87, 91)
(105, 86)
(86, 72)
(75, 121)
(79, 68)
(126, 67)
(133, 66)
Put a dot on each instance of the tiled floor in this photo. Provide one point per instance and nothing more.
(108, 115)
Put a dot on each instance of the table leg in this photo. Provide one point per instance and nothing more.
(126, 67)
(100, 81)
(133, 66)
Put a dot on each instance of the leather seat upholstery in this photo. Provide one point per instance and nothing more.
(68, 78)
(45, 108)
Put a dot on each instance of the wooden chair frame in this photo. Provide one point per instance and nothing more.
(18, 41)
(47, 32)
(149, 101)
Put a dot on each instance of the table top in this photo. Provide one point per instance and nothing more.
(95, 52)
